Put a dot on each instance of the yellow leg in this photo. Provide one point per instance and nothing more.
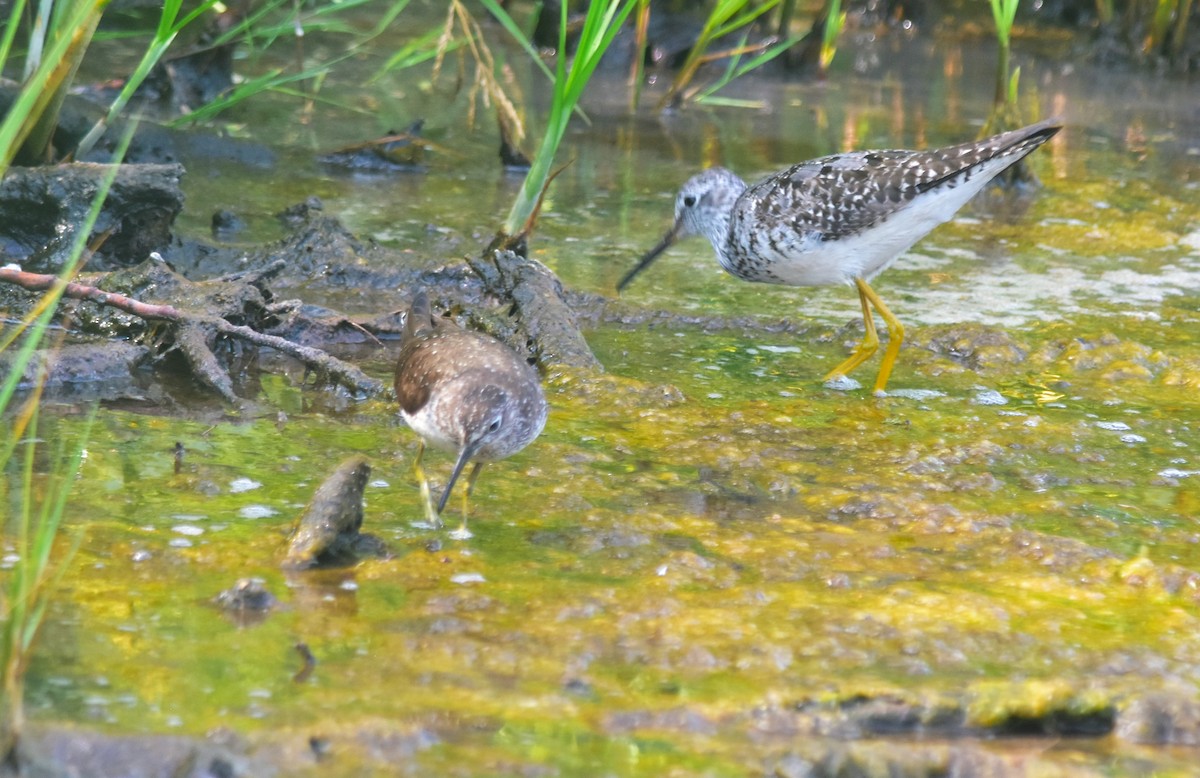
(462, 533)
(870, 341)
(431, 514)
(895, 336)
(867, 297)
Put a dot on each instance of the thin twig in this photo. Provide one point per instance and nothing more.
(342, 372)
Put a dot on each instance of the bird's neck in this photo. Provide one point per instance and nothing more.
(715, 226)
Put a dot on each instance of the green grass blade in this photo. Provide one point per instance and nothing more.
(10, 32)
(163, 38)
(38, 89)
(745, 19)
(242, 91)
(601, 25)
(706, 95)
(415, 52)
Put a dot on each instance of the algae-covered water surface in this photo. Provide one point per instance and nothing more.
(709, 563)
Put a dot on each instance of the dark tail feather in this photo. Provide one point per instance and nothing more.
(1029, 138)
(1014, 146)
(420, 317)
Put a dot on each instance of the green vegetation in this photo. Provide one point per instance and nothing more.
(1004, 12)
(31, 533)
(835, 19)
(725, 18)
(169, 26)
(56, 43)
(600, 26)
(1155, 31)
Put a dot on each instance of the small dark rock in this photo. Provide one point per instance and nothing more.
(320, 746)
(580, 688)
(298, 214)
(248, 594)
(247, 602)
(226, 224)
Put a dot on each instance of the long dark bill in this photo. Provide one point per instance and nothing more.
(652, 255)
(464, 456)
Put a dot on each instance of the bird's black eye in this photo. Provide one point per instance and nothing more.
(495, 425)
(689, 201)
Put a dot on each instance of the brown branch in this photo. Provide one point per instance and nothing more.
(40, 282)
(190, 329)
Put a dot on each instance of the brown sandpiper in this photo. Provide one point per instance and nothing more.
(838, 219)
(465, 392)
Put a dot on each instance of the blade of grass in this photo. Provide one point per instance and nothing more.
(37, 91)
(1004, 12)
(415, 52)
(10, 32)
(732, 73)
(73, 25)
(1179, 34)
(37, 36)
(506, 21)
(835, 19)
(725, 17)
(164, 36)
(35, 573)
(641, 42)
(600, 26)
(263, 83)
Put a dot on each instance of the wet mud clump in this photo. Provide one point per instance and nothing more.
(328, 531)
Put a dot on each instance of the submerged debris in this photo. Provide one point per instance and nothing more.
(156, 307)
(395, 152)
(247, 602)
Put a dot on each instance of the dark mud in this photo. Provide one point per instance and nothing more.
(328, 530)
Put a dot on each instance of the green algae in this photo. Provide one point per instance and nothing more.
(666, 559)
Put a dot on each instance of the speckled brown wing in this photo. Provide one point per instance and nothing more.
(418, 371)
(417, 367)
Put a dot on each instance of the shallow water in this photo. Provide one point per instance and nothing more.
(707, 554)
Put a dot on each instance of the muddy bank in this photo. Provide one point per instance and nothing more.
(217, 321)
(857, 736)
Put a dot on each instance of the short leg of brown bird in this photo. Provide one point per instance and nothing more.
(462, 533)
(431, 514)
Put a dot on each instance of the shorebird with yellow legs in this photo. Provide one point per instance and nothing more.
(839, 219)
